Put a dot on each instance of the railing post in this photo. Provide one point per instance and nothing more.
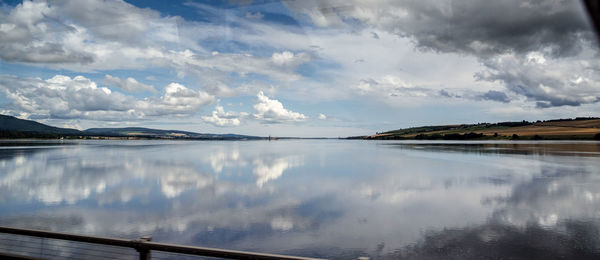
(144, 253)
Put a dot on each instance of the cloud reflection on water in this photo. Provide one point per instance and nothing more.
(362, 199)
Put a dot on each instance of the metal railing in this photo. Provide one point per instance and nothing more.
(144, 246)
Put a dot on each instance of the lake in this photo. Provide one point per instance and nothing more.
(320, 198)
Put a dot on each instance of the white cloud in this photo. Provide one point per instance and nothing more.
(129, 84)
(272, 111)
(288, 58)
(221, 118)
(178, 100)
(79, 97)
(322, 116)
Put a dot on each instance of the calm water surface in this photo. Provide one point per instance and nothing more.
(322, 198)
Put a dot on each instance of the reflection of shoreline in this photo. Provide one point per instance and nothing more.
(587, 149)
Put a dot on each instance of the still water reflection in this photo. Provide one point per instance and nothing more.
(324, 198)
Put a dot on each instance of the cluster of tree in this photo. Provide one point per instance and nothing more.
(514, 124)
(421, 129)
(464, 127)
(569, 119)
(11, 134)
(466, 136)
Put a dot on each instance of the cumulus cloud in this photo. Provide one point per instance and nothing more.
(129, 84)
(322, 116)
(64, 97)
(221, 118)
(272, 111)
(178, 100)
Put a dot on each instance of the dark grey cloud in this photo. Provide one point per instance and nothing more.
(482, 28)
(485, 28)
(44, 53)
(494, 95)
(445, 93)
(491, 95)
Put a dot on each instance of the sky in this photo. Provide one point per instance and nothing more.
(296, 68)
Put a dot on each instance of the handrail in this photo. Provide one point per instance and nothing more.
(144, 246)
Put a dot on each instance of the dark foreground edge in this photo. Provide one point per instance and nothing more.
(144, 246)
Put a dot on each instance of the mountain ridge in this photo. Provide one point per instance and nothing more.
(12, 127)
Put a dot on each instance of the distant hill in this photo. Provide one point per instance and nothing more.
(565, 129)
(157, 133)
(10, 123)
(12, 127)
